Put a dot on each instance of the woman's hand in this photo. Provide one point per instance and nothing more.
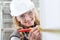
(34, 34)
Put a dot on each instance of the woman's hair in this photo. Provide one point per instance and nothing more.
(17, 23)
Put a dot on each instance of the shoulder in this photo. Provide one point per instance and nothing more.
(15, 34)
(15, 38)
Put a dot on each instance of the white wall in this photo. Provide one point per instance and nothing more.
(50, 18)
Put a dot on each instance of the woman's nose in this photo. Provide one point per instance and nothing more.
(27, 18)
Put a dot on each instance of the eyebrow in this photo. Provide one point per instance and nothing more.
(22, 15)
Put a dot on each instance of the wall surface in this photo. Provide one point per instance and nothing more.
(50, 18)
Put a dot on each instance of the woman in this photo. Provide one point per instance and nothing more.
(24, 16)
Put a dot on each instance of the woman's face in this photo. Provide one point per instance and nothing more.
(27, 19)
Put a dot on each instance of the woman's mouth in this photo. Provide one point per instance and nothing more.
(29, 23)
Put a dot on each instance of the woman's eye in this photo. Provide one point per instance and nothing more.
(22, 16)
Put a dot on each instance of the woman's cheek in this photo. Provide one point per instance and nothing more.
(20, 20)
(32, 18)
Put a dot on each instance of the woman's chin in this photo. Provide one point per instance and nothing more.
(28, 25)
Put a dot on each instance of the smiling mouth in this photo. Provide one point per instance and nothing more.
(28, 22)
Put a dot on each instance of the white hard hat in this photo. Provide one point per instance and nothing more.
(19, 7)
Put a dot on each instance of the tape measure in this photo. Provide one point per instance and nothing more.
(41, 30)
(49, 30)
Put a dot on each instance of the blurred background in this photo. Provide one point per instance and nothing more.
(6, 24)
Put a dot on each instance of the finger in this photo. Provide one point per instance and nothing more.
(35, 28)
(30, 33)
(39, 37)
(36, 34)
(31, 37)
